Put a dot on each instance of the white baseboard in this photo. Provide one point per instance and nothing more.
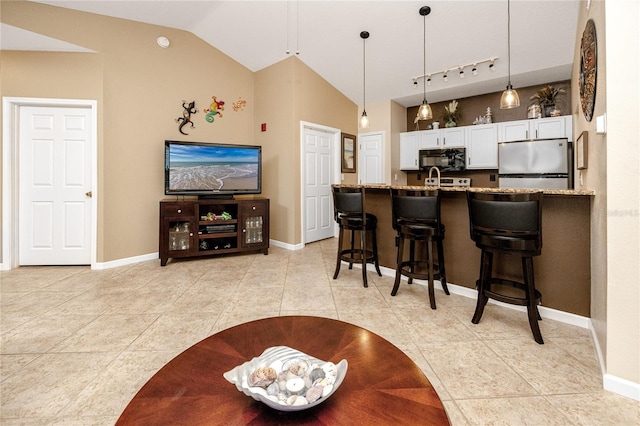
(553, 314)
(621, 386)
(286, 246)
(125, 261)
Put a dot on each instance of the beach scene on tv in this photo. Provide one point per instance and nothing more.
(214, 168)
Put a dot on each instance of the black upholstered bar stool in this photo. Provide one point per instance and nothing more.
(511, 224)
(415, 215)
(348, 212)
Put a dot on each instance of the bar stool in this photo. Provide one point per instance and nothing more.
(415, 215)
(511, 224)
(348, 212)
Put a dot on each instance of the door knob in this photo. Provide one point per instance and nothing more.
(89, 194)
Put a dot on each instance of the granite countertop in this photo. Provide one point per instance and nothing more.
(569, 192)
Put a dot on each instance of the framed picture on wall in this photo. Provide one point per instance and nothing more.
(582, 150)
(348, 153)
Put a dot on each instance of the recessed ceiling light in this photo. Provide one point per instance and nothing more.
(163, 42)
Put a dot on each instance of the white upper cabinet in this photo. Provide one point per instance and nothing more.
(409, 151)
(429, 139)
(442, 138)
(543, 128)
(453, 137)
(482, 147)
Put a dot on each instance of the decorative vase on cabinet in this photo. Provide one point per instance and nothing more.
(450, 123)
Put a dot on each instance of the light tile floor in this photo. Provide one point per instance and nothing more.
(77, 344)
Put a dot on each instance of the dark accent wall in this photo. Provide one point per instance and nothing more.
(475, 106)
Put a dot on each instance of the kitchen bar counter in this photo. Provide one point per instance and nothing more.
(562, 271)
(569, 192)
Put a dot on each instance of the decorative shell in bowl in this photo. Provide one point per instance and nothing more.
(288, 380)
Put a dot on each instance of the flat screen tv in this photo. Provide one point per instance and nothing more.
(211, 169)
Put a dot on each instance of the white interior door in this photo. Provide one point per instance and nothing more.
(370, 158)
(55, 161)
(318, 170)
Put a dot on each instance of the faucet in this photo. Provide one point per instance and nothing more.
(437, 172)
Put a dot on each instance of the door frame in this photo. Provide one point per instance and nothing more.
(10, 182)
(335, 152)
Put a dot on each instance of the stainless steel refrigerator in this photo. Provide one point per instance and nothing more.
(535, 164)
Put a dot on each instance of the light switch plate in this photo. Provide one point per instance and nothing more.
(601, 124)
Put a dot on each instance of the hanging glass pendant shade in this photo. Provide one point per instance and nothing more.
(424, 112)
(364, 120)
(509, 98)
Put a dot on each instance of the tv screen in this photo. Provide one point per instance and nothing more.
(212, 169)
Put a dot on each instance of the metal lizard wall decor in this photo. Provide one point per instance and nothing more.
(186, 115)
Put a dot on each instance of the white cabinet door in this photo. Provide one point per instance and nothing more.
(482, 147)
(409, 151)
(542, 128)
(429, 139)
(552, 127)
(452, 137)
(513, 131)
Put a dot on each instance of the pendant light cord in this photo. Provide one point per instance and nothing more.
(364, 74)
(424, 58)
(509, 39)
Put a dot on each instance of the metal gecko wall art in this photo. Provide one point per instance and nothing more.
(189, 109)
(214, 109)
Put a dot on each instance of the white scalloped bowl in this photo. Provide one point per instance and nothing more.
(271, 356)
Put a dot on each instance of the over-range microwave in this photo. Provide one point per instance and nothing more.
(447, 160)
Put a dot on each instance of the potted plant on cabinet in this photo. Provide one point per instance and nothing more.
(546, 97)
(451, 114)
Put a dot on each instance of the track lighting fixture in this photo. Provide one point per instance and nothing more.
(461, 71)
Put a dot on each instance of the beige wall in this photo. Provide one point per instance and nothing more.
(613, 172)
(139, 88)
(286, 94)
(623, 189)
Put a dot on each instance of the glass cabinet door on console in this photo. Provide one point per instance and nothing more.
(177, 230)
(252, 218)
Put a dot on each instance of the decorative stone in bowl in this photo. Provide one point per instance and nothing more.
(288, 380)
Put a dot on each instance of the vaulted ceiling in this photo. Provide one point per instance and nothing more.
(325, 35)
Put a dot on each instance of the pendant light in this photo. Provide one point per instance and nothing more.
(364, 120)
(510, 98)
(424, 112)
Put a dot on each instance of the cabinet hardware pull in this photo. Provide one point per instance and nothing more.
(179, 211)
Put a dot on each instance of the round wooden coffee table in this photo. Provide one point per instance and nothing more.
(382, 385)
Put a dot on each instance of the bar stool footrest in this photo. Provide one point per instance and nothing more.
(355, 256)
(405, 269)
(510, 299)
